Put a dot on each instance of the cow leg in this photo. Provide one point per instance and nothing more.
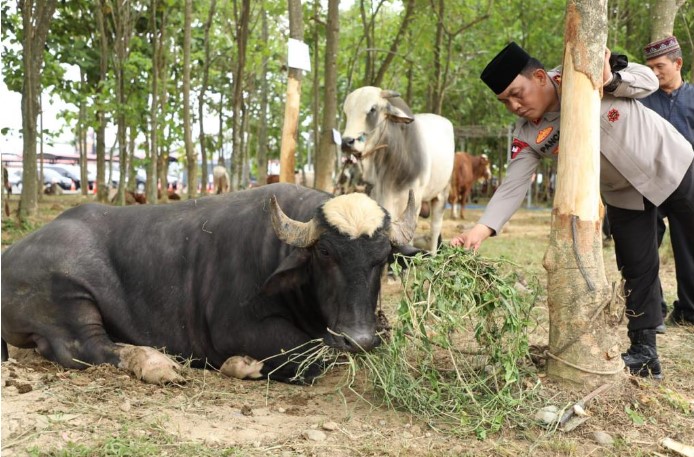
(78, 339)
(438, 205)
(242, 367)
(149, 364)
(280, 351)
(455, 210)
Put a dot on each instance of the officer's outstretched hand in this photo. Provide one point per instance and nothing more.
(473, 238)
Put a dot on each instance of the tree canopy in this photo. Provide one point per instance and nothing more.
(433, 60)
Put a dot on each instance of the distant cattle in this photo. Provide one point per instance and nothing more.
(305, 178)
(245, 282)
(222, 183)
(400, 151)
(467, 170)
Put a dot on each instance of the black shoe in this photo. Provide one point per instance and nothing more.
(678, 317)
(642, 357)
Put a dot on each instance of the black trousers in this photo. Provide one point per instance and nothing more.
(635, 237)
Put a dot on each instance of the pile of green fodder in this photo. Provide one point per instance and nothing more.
(457, 355)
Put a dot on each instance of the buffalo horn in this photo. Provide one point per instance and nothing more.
(402, 230)
(294, 233)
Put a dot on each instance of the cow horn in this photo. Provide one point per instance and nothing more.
(402, 230)
(387, 93)
(294, 233)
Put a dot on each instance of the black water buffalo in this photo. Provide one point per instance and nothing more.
(228, 280)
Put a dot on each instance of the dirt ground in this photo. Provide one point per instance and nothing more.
(48, 410)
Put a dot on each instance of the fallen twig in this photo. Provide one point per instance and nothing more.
(581, 404)
(675, 446)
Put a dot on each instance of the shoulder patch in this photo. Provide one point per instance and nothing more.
(517, 146)
(543, 134)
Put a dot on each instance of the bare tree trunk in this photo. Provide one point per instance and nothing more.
(663, 19)
(153, 110)
(36, 20)
(316, 94)
(442, 63)
(102, 186)
(392, 51)
(220, 137)
(82, 136)
(187, 138)
(121, 10)
(237, 101)
(243, 146)
(291, 110)
(261, 157)
(201, 96)
(325, 154)
(163, 150)
(132, 172)
(688, 28)
(584, 316)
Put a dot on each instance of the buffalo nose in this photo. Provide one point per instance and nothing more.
(347, 142)
(361, 342)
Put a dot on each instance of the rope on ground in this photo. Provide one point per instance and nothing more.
(585, 370)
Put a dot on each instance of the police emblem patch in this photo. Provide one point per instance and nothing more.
(613, 115)
(517, 146)
(543, 134)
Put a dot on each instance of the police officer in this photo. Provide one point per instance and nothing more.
(635, 176)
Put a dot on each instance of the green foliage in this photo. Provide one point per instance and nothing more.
(636, 418)
(459, 345)
(537, 25)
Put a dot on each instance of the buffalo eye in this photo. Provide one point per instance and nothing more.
(372, 111)
(324, 252)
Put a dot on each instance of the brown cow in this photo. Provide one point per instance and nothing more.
(466, 170)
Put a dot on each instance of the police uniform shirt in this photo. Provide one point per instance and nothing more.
(632, 162)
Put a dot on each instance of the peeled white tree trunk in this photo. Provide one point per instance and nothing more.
(584, 313)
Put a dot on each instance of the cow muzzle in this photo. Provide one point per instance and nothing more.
(353, 341)
(349, 144)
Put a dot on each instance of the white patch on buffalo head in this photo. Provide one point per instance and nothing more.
(354, 215)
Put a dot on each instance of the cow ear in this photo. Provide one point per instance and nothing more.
(292, 272)
(398, 111)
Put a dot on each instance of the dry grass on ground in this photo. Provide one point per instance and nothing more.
(47, 410)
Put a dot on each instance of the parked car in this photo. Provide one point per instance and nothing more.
(72, 172)
(14, 176)
(140, 179)
(49, 177)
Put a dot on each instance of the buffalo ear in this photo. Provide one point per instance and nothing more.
(291, 273)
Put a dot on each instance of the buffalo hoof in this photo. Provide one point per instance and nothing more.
(242, 367)
(150, 365)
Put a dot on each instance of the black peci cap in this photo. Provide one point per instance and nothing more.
(504, 68)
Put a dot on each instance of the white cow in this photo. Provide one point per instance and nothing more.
(221, 179)
(400, 151)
